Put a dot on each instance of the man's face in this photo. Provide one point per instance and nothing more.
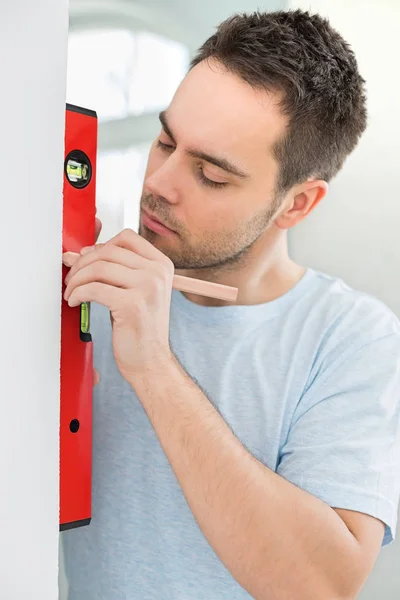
(216, 214)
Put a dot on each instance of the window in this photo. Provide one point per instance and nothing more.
(120, 74)
(119, 186)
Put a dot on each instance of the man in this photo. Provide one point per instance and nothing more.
(250, 449)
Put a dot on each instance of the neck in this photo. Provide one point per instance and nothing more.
(263, 274)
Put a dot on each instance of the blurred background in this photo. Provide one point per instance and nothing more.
(125, 60)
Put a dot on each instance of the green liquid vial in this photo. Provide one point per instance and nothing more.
(85, 317)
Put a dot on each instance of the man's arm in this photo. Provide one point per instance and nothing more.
(278, 541)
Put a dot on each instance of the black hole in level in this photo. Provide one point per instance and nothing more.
(74, 425)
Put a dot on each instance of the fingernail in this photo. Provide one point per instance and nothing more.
(69, 258)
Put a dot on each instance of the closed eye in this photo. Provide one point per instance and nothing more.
(200, 173)
(163, 146)
(206, 181)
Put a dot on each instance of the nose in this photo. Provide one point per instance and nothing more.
(163, 181)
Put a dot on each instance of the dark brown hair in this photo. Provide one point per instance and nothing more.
(302, 56)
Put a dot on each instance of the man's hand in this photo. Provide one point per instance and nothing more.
(133, 280)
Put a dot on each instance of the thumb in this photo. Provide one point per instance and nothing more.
(96, 377)
(98, 227)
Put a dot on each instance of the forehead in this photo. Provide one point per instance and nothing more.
(215, 110)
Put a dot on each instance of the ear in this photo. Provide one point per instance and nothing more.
(303, 199)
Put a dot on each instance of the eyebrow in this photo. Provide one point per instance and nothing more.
(220, 162)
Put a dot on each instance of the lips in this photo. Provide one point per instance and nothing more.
(152, 222)
(156, 219)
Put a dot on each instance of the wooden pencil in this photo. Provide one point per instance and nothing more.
(184, 284)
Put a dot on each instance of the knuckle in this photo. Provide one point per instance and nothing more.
(167, 267)
(126, 234)
(153, 286)
(156, 284)
(99, 269)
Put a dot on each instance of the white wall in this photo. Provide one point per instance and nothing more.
(33, 47)
(354, 232)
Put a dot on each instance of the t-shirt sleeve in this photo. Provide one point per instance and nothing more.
(343, 445)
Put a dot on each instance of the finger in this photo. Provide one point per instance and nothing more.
(96, 377)
(69, 258)
(97, 228)
(103, 252)
(102, 272)
(102, 293)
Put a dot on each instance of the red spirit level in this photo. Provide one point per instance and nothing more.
(79, 209)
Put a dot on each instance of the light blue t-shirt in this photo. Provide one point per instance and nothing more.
(310, 384)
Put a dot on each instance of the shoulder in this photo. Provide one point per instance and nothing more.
(339, 307)
(350, 327)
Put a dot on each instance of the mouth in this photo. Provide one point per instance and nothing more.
(152, 223)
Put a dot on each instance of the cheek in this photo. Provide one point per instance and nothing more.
(217, 211)
(208, 222)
